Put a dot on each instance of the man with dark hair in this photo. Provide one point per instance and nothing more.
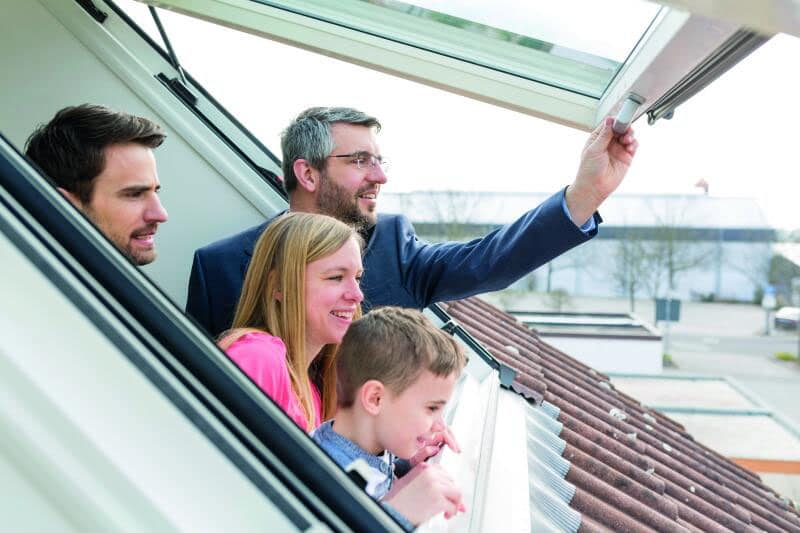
(332, 165)
(102, 161)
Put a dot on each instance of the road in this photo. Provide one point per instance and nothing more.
(750, 360)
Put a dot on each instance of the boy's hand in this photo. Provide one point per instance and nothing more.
(424, 492)
(435, 442)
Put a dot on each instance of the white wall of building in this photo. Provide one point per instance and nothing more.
(619, 355)
(730, 272)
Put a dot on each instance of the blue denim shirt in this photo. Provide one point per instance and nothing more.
(344, 452)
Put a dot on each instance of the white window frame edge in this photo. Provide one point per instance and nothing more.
(117, 55)
(676, 43)
(67, 452)
(408, 62)
(137, 46)
(765, 16)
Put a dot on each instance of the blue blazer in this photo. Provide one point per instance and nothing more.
(399, 269)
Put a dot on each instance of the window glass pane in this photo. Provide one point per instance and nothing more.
(544, 42)
(140, 14)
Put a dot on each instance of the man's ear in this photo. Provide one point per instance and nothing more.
(74, 200)
(372, 396)
(307, 176)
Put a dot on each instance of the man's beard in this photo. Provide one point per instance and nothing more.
(122, 241)
(334, 200)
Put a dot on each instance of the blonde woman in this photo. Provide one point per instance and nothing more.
(300, 294)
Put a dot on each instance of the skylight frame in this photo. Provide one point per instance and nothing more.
(674, 44)
(496, 49)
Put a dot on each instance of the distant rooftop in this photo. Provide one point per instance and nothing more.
(690, 211)
(579, 324)
(718, 414)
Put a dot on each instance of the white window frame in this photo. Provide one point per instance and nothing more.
(676, 43)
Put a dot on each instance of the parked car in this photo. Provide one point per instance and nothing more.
(787, 317)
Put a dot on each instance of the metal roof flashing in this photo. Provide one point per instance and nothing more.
(498, 430)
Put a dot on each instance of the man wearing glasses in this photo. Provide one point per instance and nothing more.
(332, 165)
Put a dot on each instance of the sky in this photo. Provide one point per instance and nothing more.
(739, 134)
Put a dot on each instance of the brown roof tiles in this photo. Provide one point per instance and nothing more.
(634, 469)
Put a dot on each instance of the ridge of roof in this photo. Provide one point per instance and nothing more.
(633, 468)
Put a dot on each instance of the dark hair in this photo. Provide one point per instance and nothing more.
(70, 149)
(394, 346)
(309, 137)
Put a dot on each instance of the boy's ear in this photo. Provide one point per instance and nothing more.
(307, 176)
(372, 396)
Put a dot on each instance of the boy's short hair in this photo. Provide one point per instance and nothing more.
(394, 346)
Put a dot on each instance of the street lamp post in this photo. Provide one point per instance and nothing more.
(768, 303)
(796, 298)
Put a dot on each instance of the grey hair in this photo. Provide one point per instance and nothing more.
(309, 137)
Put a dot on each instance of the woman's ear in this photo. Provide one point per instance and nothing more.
(372, 396)
(273, 281)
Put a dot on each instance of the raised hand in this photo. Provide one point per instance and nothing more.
(605, 160)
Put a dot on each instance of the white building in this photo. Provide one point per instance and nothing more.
(719, 248)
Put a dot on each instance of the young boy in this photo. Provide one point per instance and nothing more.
(395, 373)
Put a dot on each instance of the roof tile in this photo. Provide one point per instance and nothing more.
(633, 469)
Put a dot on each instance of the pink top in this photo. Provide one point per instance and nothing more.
(263, 358)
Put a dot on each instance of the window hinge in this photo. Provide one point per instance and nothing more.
(178, 88)
(94, 12)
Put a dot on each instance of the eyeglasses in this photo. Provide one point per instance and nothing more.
(365, 160)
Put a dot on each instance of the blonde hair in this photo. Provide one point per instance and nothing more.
(279, 261)
(394, 346)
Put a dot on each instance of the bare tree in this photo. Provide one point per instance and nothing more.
(452, 213)
(671, 256)
(671, 252)
(558, 300)
(754, 264)
(576, 259)
(782, 272)
(632, 265)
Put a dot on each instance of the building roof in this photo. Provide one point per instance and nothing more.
(644, 210)
(620, 465)
(570, 324)
(718, 414)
